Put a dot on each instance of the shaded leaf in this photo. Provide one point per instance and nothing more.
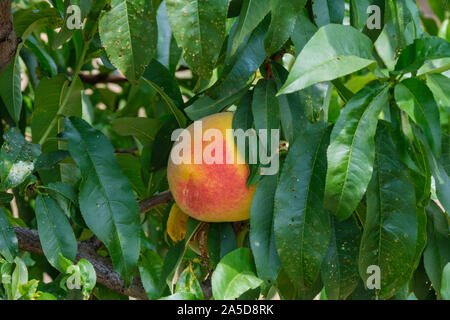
(390, 231)
(262, 236)
(340, 266)
(107, 202)
(55, 232)
(8, 240)
(302, 226)
(437, 251)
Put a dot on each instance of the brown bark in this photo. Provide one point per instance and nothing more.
(8, 38)
(29, 241)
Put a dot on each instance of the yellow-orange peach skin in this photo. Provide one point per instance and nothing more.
(212, 192)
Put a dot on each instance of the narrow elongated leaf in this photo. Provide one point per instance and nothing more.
(328, 56)
(129, 34)
(340, 266)
(445, 284)
(10, 90)
(262, 236)
(358, 13)
(390, 231)
(292, 113)
(107, 202)
(234, 275)
(265, 108)
(174, 257)
(55, 232)
(8, 240)
(221, 241)
(437, 251)
(414, 97)
(150, 271)
(304, 30)
(238, 68)
(283, 18)
(302, 226)
(426, 48)
(144, 129)
(48, 97)
(131, 167)
(188, 283)
(252, 13)
(168, 53)
(440, 86)
(199, 28)
(17, 159)
(351, 151)
(160, 75)
(328, 11)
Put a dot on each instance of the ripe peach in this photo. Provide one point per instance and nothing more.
(211, 192)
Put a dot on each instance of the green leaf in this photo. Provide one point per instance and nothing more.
(25, 21)
(129, 34)
(19, 277)
(17, 158)
(390, 231)
(8, 240)
(47, 161)
(221, 241)
(302, 226)
(188, 282)
(292, 114)
(445, 285)
(88, 277)
(150, 268)
(414, 98)
(340, 266)
(358, 13)
(351, 151)
(10, 90)
(234, 275)
(168, 53)
(437, 251)
(440, 86)
(421, 50)
(328, 11)
(55, 232)
(6, 197)
(262, 236)
(252, 13)
(328, 56)
(199, 28)
(174, 257)
(282, 23)
(158, 74)
(206, 105)
(265, 109)
(131, 167)
(304, 30)
(46, 62)
(107, 202)
(237, 70)
(143, 129)
(48, 97)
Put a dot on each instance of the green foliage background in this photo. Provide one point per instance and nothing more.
(87, 115)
